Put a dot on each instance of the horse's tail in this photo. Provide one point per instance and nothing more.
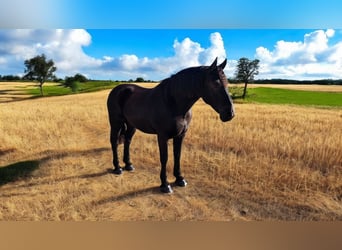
(121, 137)
(115, 103)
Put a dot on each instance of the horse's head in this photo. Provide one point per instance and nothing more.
(215, 91)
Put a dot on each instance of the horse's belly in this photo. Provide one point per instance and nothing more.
(146, 129)
(141, 124)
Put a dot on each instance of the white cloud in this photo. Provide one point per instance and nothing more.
(78, 36)
(129, 62)
(66, 48)
(187, 53)
(330, 32)
(215, 50)
(311, 58)
(63, 46)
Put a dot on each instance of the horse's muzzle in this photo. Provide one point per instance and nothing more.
(226, 116)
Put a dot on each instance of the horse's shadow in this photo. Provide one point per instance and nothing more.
(24, 169)
(18, 170)
(129, 195)
(155, 191)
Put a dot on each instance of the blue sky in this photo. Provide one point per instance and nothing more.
(171, 14)
(155, 38)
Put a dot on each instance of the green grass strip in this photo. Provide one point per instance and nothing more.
(297, 97)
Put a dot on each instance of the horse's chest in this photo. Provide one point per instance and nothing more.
(180, 125)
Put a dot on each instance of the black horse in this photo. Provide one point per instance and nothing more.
(166, 111)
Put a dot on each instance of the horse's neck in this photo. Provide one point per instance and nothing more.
(182, 95)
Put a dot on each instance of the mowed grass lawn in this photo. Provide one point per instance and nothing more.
(297, 97)
(55, 89)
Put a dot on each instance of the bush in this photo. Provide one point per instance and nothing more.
(71, 82)
(75, 85)
(236, 92)
(68, 81)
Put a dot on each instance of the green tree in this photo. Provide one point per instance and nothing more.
(40, 69)
(80, 78)
(245, 71)
(140, 79)
(73, 82)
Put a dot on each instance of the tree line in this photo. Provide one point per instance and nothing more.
(41, 69)
(14, 78)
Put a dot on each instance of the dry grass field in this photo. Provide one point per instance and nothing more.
(13, 91)
(271, 162)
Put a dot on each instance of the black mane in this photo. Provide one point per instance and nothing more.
(185, 82)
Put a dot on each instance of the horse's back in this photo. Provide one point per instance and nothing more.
(129, 101)
(120, 94)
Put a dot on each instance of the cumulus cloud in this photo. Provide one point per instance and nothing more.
(187, 53)
(311, 58)
(215, 50)
(315, 56)
(66, 48)
(330, 32)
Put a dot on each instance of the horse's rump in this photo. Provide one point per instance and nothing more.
(115, 104)
(117, 99)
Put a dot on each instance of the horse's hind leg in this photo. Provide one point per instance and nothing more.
(114, 135)
(128, 138)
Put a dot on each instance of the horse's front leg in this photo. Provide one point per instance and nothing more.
(177, 151)
(162, 143)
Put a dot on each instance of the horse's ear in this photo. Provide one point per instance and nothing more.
(223, 64)
(213, 65)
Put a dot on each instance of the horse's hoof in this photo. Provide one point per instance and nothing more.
(166, 189)
(129, 168)
(117, 171)
(181, 182)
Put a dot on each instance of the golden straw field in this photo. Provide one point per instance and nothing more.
(271, 162)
